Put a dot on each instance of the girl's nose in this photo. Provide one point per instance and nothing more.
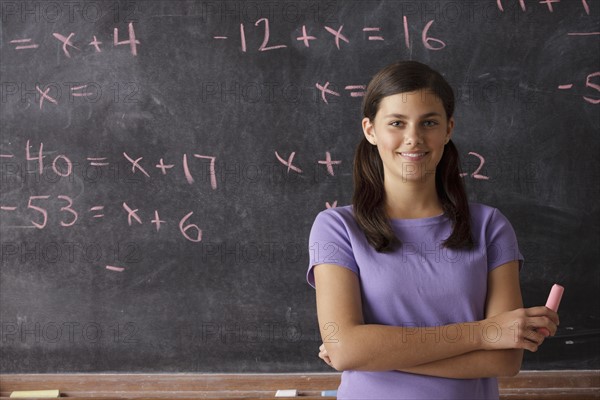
(412, 135)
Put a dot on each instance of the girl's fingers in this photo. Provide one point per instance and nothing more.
(323, 355)
(542, 311)
(534, 336)
(542, 322)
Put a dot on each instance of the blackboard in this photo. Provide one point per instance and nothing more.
(162, 163)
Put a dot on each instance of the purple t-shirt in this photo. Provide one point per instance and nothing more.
(421, 284)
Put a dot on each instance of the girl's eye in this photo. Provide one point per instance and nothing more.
(430, 123)
(396, 123)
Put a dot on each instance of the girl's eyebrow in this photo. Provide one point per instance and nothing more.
(431, 114)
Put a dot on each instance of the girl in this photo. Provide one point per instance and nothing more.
(417, 290)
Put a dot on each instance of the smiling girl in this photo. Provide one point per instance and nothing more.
(417, 289)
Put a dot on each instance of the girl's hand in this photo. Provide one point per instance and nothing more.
(517, 329)
(324, 356)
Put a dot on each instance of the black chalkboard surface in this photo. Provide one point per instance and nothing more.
(162, 162)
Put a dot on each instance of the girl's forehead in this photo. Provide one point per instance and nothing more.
(415, 98)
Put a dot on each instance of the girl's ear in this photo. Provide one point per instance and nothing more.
(449, 129)
(369, 131)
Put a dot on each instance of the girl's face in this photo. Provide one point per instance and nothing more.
(410, 130)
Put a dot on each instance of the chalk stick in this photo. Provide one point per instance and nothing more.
(554, 298)
(287, 393)
(329, 393)
(45, 394)
(552, 303)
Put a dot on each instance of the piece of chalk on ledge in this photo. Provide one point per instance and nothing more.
(287, 393)
(40, 394)
(552, 303)
(329, 393)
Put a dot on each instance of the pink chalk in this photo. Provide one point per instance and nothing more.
(552, 303)
(554, 298)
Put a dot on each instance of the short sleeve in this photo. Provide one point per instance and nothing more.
(501, 240)
(330, 243)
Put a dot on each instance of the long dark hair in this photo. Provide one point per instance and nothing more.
(368, 199)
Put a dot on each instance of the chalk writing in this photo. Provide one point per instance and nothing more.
(548, 4)
(39, 219)
(588, 84)
(329, 163)
(24, 47)
(336, 33)
(67, 42)
(62, 165)
(475, 174)
(334, 205)
(288, 163)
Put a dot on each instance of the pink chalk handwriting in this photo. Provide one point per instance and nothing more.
(406, 37)
(24, 46)
(161, 165)
(68, 208)
(583, 33)
(188, 175)
(192, 227)
(372, 37)
(95, 161)
(135, 164)
(131, 214)
(38, 207)
(324, 90)
(40, 210)
(360, 93)
(44, 213)
(132, 42)
(39, 158)
(96, 43)
(263, 46)
(426, 39)
(588, 84)
(288, 163)
(157, 221)
(84, 94)
(63, 166)
(305, 38)
(334, 205)
(476, 174)
(329, 163)
(67, 42)
(97, 208)
(338, 36)
(45, 96)
(548, 4)
(213, 178)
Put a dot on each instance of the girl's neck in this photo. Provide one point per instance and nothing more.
(412, 200)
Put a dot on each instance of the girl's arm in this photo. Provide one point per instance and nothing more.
(351, 344)
(504, 294)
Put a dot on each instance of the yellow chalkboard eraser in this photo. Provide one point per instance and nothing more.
(41, 394)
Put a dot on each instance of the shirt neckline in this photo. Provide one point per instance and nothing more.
(437, 219)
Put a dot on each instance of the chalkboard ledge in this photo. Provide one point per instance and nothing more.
(527, 385)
